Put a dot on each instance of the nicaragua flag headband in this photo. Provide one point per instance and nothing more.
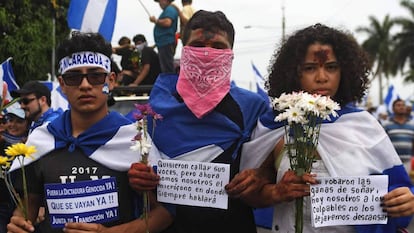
(85, 58)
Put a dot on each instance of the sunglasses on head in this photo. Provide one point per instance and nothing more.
(26, 101)
(75, 79)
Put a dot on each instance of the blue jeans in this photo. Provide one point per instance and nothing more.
(166, 57)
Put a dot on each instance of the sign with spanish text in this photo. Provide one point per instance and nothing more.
(86, 201)
(193, 183)
(348, 200)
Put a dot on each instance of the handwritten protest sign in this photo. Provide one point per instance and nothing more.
(348, 200)
(85, 201)
(193, 183)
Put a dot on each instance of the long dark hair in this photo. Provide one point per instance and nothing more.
(352, 59)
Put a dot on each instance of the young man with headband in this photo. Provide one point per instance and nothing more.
(79, 171)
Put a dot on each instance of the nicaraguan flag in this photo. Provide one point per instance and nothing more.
(262, 216)
(93, 16)
(390, 98)
(60, 100)
(260, 84)
(7, 75)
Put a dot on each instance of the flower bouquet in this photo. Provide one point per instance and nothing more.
(18, 151)
(303, 114)
(143, 145)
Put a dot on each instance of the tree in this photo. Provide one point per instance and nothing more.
(26, 27)
(379, 45)
(404, 49)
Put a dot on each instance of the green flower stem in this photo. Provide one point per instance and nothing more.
(145, 197)
(25, 203)
(25, 193)
(146, 210)
(299, 215)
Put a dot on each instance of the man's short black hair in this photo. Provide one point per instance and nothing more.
(139, 37)
(209, 21)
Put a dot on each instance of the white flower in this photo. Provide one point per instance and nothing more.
(298, 105)
(283, 102)
(296, 115)
(136, 146)
(145, 148)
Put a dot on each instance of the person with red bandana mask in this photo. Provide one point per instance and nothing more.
(205, 118)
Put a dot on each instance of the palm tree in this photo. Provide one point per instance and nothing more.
(404, 49)
(379, 45)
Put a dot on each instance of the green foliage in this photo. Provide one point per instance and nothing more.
(392, 53)
(27, 35)
(404, 49)
(379, 45)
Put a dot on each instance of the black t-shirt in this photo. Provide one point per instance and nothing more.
(239, 216)
(125, 54)
(149, 56)
(62, 166)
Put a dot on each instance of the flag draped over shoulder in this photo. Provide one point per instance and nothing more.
(7, 75)
(93, 16)
(110, 136)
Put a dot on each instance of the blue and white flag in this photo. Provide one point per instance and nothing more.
(59, 99)
(7, 75)
(260, 84)
(354, 135)
(93, 16)
(109, 136)
(390, 98)
(262, 216)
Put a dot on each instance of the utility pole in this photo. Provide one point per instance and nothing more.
(283, 21)
(53, 58)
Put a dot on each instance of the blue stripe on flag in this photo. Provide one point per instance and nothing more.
(76, 11)
(256, 71)
(390, 98)
(108, 21)
(7, 75)
(260, 84)
(77, 17)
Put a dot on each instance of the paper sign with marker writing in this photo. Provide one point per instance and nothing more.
(193, 183)
(86, 201)
(348, 200)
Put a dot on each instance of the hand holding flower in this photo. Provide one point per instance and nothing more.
(303, 114)
(292, 186)
(19, 223)
(19, 152)
(142, 143)
(142, 177)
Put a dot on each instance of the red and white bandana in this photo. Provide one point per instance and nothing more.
(204, 77)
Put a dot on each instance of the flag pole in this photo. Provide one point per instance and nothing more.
(146, 10)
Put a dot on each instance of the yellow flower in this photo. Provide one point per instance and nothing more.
(4, 161)
(20, 149)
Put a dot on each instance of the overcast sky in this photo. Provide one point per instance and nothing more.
(258, 26)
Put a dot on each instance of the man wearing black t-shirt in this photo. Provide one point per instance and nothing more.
(79, 169)
(150, 65)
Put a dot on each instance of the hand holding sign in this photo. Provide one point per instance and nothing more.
(348, 201)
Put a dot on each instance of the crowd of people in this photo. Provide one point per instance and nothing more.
(206, 118)
(140, 62)
(399, 126)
